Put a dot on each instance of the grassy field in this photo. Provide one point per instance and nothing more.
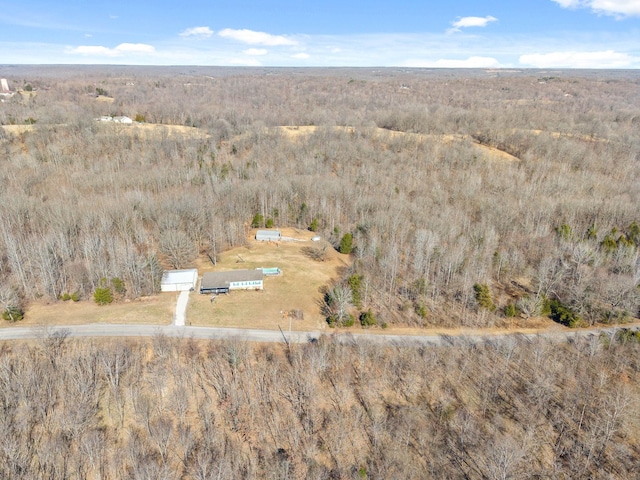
(157, 309)
(297, 288)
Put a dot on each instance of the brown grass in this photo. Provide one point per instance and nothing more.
(491, 153)
(157, 309)
(152, 130)
(297, 288)
(105, 99)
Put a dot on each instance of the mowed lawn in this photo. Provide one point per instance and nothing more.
(157, 309)
(297, 288)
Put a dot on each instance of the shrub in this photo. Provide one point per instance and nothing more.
(421, 310)
(140, 118)
(626, 335)
(118, 285)
(75, 297)
(633, 233)
(355, 284)
(258, 221)
(346, 244)
(564, 231)
(103, 296)
(314, 225)
(65, 297)
(511, 310)
(368, 319)
(349, 321)
(609, 243)
(615, 316)
(269, 223)
(483, 296)
(565, 315)
(13, 314)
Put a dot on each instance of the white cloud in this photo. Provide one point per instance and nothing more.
(300, 56)
(203, 32)
(123, 48)
(465, 22)
(134, 48)
(92, 50)
(603, 59)
(616, 8)
(255, 51)
(471, 62)
(256, 38)
(568, 3)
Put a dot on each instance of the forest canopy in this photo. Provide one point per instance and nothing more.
(434, 181)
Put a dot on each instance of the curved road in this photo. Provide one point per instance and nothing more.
(252, 335)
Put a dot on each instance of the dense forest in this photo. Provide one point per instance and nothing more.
(443, 233)
(176, 408)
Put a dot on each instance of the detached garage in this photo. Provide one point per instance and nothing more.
(268, 235)
(179, 280)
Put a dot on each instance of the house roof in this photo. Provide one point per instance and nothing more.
(179, 276)
(224, 279)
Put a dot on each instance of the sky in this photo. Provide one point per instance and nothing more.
(399, 33)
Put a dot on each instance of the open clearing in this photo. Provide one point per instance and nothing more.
(296, 288)
(157, 310)
(297, 131)
(151, 130)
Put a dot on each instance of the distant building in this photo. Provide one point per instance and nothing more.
(122, 120)
(4, 88)
(179, 280)
(223, 282)
(108, 118)
(268, 235)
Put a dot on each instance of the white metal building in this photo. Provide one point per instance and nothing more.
(179, 280)
(268, 235)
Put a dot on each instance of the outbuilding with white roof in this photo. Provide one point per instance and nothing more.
(179, 280)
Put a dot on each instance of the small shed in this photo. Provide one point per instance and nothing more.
(268, 235)
(179, 280)
(270, 271)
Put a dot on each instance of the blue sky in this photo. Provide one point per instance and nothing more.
(402, 33)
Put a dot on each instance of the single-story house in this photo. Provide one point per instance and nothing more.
(179, 280)
(222, 282)
(268, 235)
(109, 118)
(122, 119)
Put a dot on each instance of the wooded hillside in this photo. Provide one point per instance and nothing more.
(435, 215)
(171, 408)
